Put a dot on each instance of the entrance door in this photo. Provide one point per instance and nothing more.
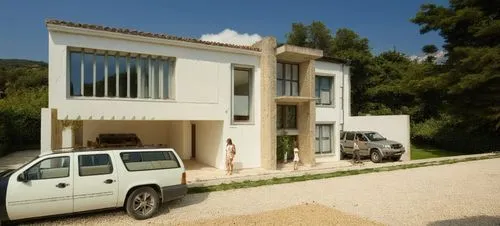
(193, 141)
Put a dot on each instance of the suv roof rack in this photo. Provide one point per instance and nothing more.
(106, 147)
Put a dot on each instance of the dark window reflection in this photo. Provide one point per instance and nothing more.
(75, 79)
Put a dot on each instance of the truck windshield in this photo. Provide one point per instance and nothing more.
(373, 136)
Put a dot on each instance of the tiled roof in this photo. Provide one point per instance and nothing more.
(145, 34)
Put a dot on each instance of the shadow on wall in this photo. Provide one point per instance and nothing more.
(477, 220)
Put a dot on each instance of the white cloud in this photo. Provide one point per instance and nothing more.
(232, 37)
(440, 57)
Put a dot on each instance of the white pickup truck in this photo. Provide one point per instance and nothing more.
(138, 179)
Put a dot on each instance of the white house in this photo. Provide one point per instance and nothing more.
(191, 95)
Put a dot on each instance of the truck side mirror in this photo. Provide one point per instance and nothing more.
(22, 177)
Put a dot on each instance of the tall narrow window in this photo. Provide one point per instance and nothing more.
(99, 62)
(122, 77)
(156, 78)
(133, 77)
(323, 90)
(166, 78)
(287, 83)
(286, 117)
(111, 76)
(323, 139)
(75, 73)
(88, 66)
(145, 77)
(241, 100)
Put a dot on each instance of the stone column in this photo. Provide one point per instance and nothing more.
(267, 91)
(306, 113)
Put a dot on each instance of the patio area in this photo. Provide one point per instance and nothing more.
(199, 174)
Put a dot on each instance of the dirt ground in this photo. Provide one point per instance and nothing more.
(305, 214)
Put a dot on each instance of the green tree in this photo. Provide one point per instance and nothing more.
(316, 35)
(298, 35)
(471, 30)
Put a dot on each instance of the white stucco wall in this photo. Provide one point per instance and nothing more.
(332, 114)
(202, 91)
(392, 127)
(209, 143)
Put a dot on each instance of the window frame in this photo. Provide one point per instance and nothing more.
(330, 138)
(331, 90)
(170, 153)
(284, 115)
(110, 163)
(110, 70)
(284, 79)
(251, 79)
(42, 160)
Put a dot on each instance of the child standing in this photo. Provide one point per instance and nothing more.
(295, 156)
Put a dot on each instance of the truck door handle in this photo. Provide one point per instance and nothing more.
(108, 181)
(62, 185)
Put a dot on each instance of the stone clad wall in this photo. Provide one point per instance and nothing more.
(268, 104)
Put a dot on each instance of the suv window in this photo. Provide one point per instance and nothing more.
(350, 136)
(149, 160)
(342, 134)
(51, 168)
(94, 164)
(360, 137)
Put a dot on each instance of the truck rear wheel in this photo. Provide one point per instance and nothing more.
(143, 203)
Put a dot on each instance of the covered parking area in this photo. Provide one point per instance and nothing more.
(195, 141)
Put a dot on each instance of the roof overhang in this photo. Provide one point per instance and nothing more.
(129, 37)
(297, 54)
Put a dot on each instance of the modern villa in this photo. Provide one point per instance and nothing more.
(191, 95)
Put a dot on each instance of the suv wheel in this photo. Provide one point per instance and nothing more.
(375, 156)
(143, 203)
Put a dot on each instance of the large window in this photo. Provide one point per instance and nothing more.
(99, 73)
(242, 94)
(323, 90)
(286, 117)
(324, 139)
(287, 83)
(149, 160)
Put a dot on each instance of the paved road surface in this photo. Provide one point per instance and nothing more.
(458, 194)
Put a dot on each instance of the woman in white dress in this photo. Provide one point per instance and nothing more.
(295, 156)
(230, 152)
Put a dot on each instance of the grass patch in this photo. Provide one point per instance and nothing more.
(284, 180)
(425, 152)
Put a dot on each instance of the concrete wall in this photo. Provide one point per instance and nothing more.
(179, 137)
(267, 90)
(392, 127)
(210, 143)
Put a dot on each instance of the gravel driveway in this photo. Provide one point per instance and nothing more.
(457, 194)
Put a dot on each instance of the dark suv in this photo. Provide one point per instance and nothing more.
(371, 144)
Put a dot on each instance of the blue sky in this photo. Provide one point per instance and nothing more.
(384, 22)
